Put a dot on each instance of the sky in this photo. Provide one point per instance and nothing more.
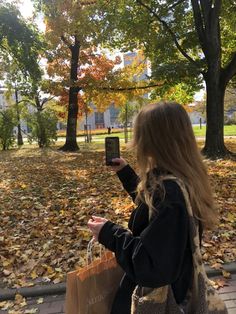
(26, 8)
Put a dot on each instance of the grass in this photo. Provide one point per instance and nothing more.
(100, 134)
(229, 130)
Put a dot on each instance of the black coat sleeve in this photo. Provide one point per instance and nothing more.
(129, 180)
(154, 258)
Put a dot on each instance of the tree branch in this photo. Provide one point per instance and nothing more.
(199, 25)
(82, 3)
(3, 47)
(215, 15)
(172, 34)
(66, 42)
(230, 70)
(131, 88)
(23, 100)
(206, 9)
(45, 100)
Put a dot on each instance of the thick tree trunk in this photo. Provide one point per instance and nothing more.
(42, 138)
(207, 24)
(71, 143)
(71, 131)
(19, 135)
(214, 144)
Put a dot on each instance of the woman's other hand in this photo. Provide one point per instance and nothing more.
(95, 224)
(121, 163)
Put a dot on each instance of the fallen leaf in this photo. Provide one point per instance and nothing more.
(40, 300)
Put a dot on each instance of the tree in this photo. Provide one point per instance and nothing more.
(19, 40)
(20, 50)
(15, 82)
(69, 30)
(43, 126)
(80, 71)
(95, 69)
(7, 124)
(186, 42)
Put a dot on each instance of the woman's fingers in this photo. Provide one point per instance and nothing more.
(119, 163)
(96, 225)
(98, 219)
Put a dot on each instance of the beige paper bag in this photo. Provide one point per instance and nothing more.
(91, 290)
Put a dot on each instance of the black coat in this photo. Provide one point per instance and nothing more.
(155, 253)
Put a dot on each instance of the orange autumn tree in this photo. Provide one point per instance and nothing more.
(102, 84)
(70, 29)
(94, 68)
(78, 72)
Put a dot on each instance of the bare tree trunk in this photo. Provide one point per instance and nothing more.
(71, 131)
(214, 144)
(19, 134)
(42, 138)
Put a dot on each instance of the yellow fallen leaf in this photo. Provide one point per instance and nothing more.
(18, 298)
(17, 311)
(57, 280)
(33, 275)
(6, 263)
(40, 301)
(31, 311)
(217, 266)
(6, 305)
(226, 274)
(6, 272)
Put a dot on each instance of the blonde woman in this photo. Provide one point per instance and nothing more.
(156, 250)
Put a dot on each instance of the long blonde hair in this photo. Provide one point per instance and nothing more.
(164, 139)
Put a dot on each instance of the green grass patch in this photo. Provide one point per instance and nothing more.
(229, 130)
(100, 134)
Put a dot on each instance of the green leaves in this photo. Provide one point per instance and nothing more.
(7, 124)
(20, 40)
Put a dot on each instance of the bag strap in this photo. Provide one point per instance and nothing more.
(193, 227)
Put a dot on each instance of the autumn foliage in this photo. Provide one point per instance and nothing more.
(48, 196)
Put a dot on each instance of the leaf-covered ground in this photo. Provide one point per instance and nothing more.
(47, 197)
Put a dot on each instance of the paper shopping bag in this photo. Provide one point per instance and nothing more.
(91, 290)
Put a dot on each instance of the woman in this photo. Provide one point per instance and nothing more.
(156, 251)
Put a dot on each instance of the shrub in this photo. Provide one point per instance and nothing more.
(43, 126)
(7, 124)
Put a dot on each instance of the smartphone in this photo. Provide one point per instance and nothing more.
(112, 150)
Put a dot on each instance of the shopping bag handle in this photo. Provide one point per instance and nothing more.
(90, 246)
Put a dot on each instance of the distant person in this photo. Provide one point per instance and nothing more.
(174, 204)
(109, 130)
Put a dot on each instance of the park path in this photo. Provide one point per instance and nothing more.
(55, 304)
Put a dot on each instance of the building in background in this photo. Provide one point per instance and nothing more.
(101, 120)
(3, 102)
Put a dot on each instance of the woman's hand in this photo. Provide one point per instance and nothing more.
(121, 163)
(95, 225)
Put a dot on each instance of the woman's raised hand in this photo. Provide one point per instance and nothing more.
(120, 164)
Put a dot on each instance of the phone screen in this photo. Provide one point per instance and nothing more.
(112, 147)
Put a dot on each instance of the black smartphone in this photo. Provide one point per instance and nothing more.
(112, 149)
